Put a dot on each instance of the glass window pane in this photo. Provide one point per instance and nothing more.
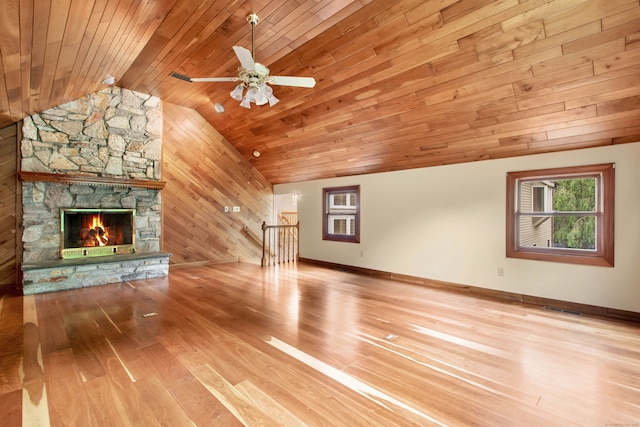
(559, 195)
(533, 196)
(342, 224)
(575, 195)
(342, 202)
(538, 199)
(536, 231)
(574, 232)
(339, 199)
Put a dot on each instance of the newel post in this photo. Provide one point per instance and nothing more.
(264, 232)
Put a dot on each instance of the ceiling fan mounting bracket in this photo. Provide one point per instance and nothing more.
(253, 19)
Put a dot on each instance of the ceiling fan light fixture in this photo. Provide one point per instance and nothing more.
(257, 92)
(237, 92)
(263, 95)
(246, 103)
(252, 94)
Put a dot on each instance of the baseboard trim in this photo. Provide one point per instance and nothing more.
(592, 310)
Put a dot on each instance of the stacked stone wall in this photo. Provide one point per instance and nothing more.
(112, 133)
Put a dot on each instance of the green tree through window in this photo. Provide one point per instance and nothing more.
(575, 195)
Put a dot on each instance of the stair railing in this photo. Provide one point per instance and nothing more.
(280, 243)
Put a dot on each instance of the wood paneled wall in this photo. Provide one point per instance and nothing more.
(204, 173)
(8, 207)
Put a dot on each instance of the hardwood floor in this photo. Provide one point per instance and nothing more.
(234, 344)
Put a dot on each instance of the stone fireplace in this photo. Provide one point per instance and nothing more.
(94, 157)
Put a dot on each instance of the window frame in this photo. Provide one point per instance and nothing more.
(603, 255)
(326, 212)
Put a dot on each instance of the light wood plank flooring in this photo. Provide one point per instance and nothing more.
(295, 345)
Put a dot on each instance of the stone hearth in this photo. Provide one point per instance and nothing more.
(75, 273)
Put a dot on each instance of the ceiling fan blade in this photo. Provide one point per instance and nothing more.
(203, 79)
(212, 79)
(293, 81)
(180, 76)
(245, 57)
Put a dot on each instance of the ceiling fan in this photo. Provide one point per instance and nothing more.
(252, 76)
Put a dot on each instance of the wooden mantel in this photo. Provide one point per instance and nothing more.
(90, 180)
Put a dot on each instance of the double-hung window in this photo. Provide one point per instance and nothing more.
(341, 213)
(562, 214)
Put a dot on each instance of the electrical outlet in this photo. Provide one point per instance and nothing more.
(236, 208)
(501, 271)
(226, 209)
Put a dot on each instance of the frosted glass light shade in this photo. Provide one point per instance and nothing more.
(237, 93)
(259, 95)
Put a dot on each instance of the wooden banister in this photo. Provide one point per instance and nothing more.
(249, 232)
(280, 243)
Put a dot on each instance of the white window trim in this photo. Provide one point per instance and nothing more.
(350, 220)
(333, 205)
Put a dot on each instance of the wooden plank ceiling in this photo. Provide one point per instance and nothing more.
(400, 84)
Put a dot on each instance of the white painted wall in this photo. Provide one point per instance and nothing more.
(284, 203)
(448, 223)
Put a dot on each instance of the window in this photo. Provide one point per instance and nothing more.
(562, 215)
(341, 214)
(538, 198)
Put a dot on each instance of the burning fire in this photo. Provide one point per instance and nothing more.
(96, 234)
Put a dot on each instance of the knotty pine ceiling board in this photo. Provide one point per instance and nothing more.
(400, 85)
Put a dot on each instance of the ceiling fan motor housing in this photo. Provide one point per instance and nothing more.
(254, 78)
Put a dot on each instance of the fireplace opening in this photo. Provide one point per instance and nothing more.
(96, 232)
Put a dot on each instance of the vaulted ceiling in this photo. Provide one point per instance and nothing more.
(400, 84)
